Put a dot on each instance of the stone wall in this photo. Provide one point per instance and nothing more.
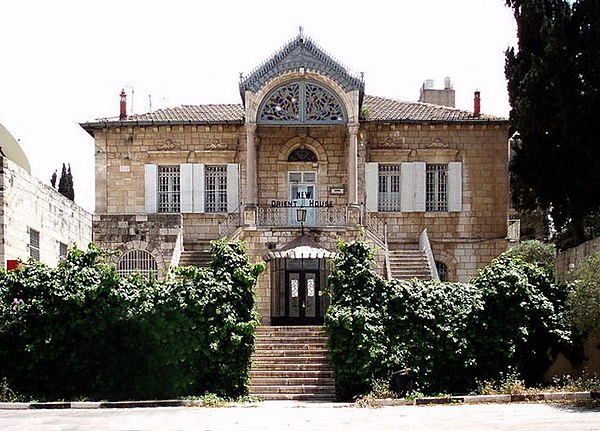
(158, 234)
(121, 154)
(26, 203)
(570, 259)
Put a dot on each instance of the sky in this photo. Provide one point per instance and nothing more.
(64, 62)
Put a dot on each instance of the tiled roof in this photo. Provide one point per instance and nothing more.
(222, 113)
(379, 109)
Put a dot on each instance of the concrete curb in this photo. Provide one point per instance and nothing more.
(489, 399)
(388, 402)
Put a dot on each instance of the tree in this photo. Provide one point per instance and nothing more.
(584, 299)
(65, 184)
(53, 179)
(553, 91)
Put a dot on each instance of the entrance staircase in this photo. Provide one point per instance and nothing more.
(409, 264)
(195, 255)
(290, 363)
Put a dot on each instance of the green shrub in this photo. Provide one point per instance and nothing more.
(451, 335)
(81, 331)
(584, 299)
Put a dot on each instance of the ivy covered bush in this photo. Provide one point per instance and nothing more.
(507, 320)
(81, 331)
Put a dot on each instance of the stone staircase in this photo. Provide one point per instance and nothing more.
(290, 363)
(408, 264)
(195, 255)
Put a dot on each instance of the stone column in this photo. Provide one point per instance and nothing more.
(353, 164)
(251, 192)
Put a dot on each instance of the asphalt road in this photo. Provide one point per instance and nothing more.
(311, 416)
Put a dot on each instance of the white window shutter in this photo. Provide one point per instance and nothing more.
(407, 186)
(233, 187)
(198, 188)
(372, 186)
(150, 188)
(186, 187)
(412, 188)
(455, 186)
(419, 190)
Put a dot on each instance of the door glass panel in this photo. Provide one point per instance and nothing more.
(311, 300)
(294, 294)
(309, 177)
(302, 194)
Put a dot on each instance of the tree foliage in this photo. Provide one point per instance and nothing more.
(80, 330)
(584, 300)
(65, 183)
(553, 85)
(451, 334)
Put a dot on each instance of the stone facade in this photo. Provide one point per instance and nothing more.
(306, 136)
(28, 207)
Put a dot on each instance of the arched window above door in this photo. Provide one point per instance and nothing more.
(302, 102)
(302, 155)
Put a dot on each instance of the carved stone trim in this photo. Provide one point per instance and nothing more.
(437, 143)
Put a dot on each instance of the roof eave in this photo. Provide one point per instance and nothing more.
(95, 125)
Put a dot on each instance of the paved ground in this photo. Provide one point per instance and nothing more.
(311, 416)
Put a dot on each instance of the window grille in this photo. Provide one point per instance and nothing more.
(389, 188)
(302, 102)
(136, 261)
(169, 200)
(442, 270)
(436, 185)
(302, 155)
(34, 244)
(62, 250)
(216, 189)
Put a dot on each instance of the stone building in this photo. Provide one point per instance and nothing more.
(35, 220)
(306, 157)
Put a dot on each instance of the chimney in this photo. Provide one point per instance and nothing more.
(477, 103)
(123, 112)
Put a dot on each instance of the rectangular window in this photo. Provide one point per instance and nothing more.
(34, 244)
(389, 188)
(216, 189)
(62, 250)
(169, 198)
(436, 186)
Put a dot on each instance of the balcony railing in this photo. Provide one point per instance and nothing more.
(315, 217)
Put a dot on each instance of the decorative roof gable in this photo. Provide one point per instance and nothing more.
(300, 52)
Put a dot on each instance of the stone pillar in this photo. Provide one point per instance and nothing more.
(353, 165)
(251, 192)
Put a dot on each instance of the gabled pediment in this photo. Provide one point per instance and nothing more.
(300, 52)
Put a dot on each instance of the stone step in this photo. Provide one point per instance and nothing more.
(295, 381)
(298, 397)
(297, 389)
(278, 353)
(291, 365)
(292, 374)
(290, 345)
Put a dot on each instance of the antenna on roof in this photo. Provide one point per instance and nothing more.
(150, 102)
(300, 32)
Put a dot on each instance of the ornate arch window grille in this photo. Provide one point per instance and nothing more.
(302, 155)
(136, 261)
(302, 102)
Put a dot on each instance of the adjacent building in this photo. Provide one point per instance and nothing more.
(35, 220)
(307, 157)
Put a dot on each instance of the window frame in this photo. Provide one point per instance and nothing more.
(34, 244)
(436, 187)
(168, 190)
(389, 177)
(215, 189)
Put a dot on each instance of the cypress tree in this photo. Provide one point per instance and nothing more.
(63, 181)
(553, 87)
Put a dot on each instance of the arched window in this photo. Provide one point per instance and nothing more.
(302, 155)
(136, 261)
(442, 270)
(300, 103)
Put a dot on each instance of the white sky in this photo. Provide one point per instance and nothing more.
(66, 61)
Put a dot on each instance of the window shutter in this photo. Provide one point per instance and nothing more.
(198, 188)
(455, 186)
(150, 188)
(233, 187)
(372, 186)
(186, 187)
(412, 190)
(419, 187)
